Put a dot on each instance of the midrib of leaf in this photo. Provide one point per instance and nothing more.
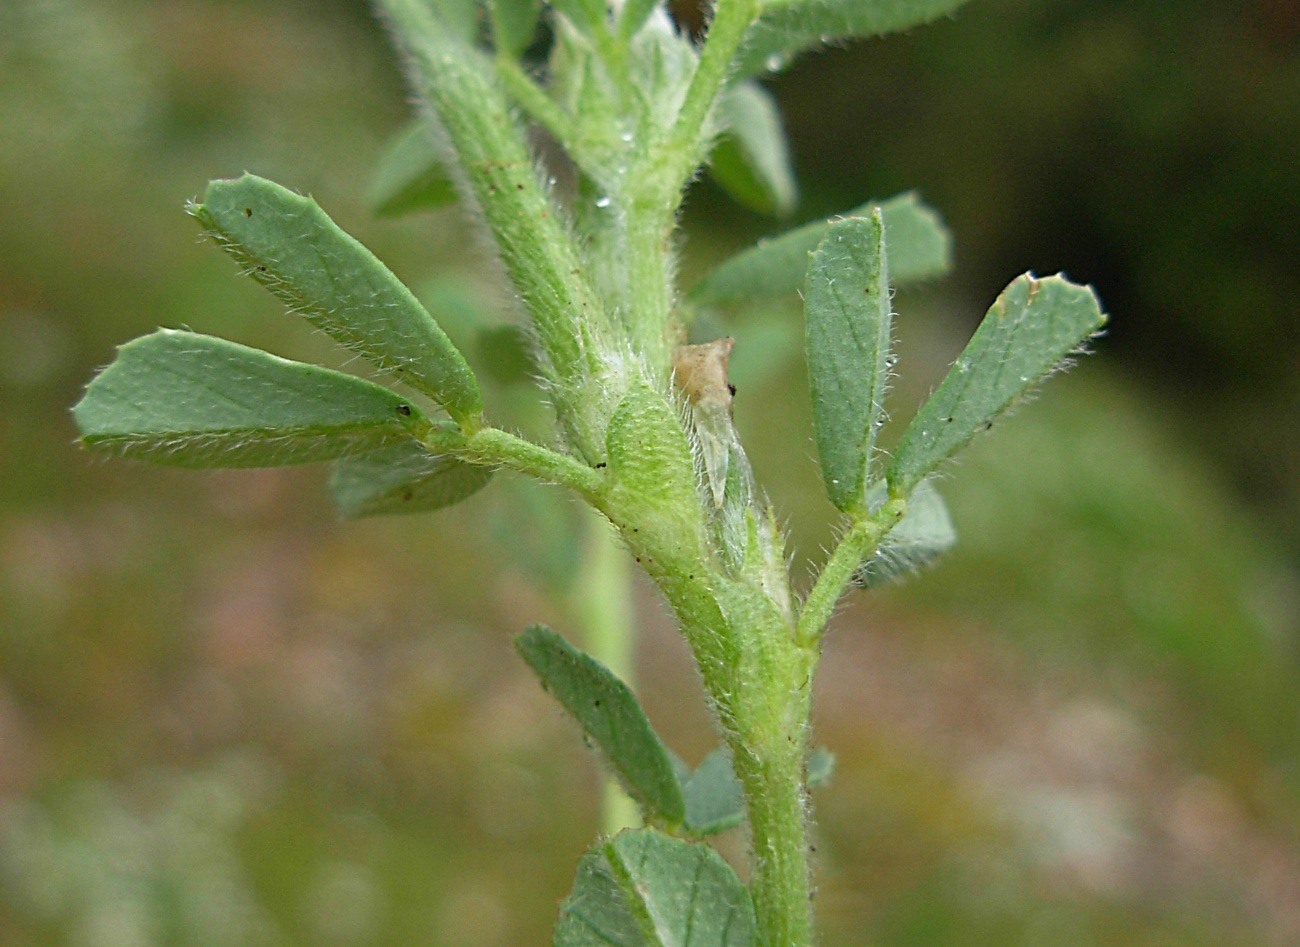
(632, 891)
(867, 434)
(695, 891)
(260, 434)
(203, 384)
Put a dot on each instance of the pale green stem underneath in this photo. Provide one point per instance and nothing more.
(602, 598)
(602, 607)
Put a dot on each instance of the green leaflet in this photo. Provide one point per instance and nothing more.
(587, 15)
(192, 400)
(539, 529)
(1031, 328)
(771, 341)
(662, 61)
(714, 798)
(287, 243)
(848, 316)
(611, 718)
(751, 161)
(789, 27)
(645, 889)
(715, 801)
(917, 242)
(584, 92)
(409, 176)
(925, 533)
(514, 23)
(403, 478)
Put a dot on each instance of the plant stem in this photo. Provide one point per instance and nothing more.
(765, 708)
(731, 19)
(463, 89)
(775, 800)
(646, 238)
(602, 606)
(530, 97)
(613, 52)
(858, 543)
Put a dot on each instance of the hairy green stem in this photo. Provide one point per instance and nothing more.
(765, 701)
(781, 884)
(759, 683)
(731, 18)
(538, 250)
(530, 97)
(646, 237)
(756, 660)
(656, 186)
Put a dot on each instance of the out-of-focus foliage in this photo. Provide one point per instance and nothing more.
(1147, 146)
(227, 718)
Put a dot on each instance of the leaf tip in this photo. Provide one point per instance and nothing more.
(528, 640)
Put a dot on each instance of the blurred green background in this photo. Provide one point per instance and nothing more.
(227, 718)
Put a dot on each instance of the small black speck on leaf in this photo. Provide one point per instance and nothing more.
(404, 410)
(248, 212)
(731, 388)
(602, 465)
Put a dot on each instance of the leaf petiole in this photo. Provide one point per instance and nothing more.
(540, 107)
(492, 446)
(731, 19)
(858, 544)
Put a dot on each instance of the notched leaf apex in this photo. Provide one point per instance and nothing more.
(1030, 332)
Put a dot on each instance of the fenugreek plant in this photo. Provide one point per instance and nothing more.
(626, 109)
